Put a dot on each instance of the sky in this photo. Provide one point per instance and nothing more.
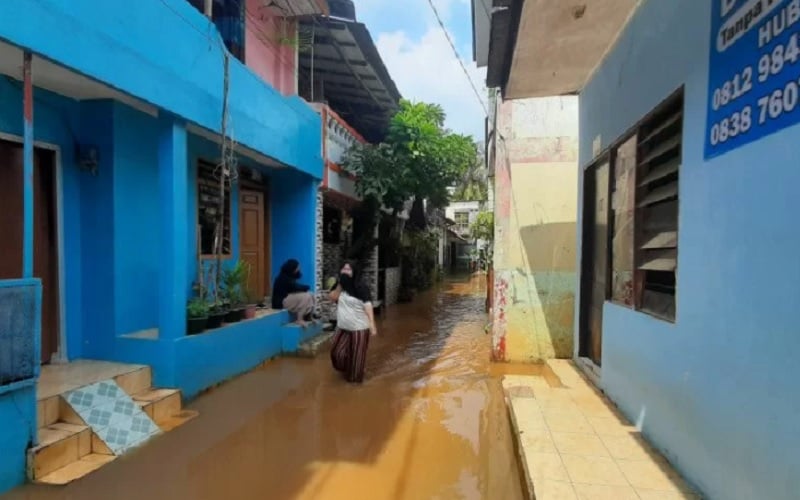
(420, 60)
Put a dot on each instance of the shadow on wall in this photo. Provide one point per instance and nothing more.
(550, 256)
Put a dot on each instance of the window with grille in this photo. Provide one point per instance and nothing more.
(208, 206)
(644, 220)
(462, 222)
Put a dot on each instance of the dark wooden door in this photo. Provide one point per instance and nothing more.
(595, 256)
(45, 259)
(252, 240)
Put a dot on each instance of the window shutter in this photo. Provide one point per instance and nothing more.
(658, 166)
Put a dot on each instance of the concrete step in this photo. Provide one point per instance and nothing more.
(313, 346)
(76, 469)
(159, 404)
(60, 444)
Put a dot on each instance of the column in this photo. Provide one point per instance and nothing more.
(174, 226)
(27, 192)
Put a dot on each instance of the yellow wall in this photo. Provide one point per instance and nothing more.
(536, 193)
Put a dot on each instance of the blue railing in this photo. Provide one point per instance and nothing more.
(20, 332)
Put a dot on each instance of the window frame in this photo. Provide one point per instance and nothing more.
(639, 276)
(462, 228)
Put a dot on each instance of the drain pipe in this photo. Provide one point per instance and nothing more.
(208, 8)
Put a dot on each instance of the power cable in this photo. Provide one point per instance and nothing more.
(458, 57)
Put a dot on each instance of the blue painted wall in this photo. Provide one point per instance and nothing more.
(17, 411)
(293, 222)
(125, 48)
(57, 122)
(98, 306)
(715, 391)
(137, 262)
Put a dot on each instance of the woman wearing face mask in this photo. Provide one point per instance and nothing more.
(355, 322)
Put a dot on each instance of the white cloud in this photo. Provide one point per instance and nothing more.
(427, 70)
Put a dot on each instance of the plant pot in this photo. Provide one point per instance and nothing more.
(196, 325)
(234, 316)
(215, 319)
(250, 312)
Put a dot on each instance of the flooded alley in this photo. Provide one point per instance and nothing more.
(428, 423)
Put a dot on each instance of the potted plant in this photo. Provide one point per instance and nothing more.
(216, 315)
(196, 316)
(234, 282)
(251, 306)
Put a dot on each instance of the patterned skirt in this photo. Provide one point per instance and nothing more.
(349, 353)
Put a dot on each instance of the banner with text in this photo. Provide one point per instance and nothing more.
(754, 75)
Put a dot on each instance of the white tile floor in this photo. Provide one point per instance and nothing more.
(574, 444)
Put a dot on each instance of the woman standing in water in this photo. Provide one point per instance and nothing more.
(355, 322)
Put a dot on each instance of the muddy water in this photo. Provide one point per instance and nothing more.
(429, 423)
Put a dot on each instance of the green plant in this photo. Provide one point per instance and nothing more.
(418, 159)
(197, 308)
(234, 283)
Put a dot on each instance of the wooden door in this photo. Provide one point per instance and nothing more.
(595, 257)
(45, 259)
(253, 241)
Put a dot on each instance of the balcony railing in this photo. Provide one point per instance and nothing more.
(339, 137)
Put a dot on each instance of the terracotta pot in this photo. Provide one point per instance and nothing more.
(250, 312)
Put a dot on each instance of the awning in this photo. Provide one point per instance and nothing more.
(297, 8)
(542, 48)
(342, 67)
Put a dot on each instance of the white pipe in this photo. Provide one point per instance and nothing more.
(209, 8)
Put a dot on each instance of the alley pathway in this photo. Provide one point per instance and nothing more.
(429, 423)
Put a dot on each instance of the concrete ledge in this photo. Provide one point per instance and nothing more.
(574, 443)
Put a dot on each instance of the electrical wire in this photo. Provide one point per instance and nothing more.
(458, 57)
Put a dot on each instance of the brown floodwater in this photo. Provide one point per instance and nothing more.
(428, 423)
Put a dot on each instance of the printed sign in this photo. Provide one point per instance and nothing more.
(754, 76)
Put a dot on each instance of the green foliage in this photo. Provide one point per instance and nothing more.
(419, 159)
(483, 226)
(419, 259)
(473, 185)
(197, 308)
(234, 283)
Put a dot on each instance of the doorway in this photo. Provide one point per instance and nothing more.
(254, 240)
(45, 236)
(594, 260)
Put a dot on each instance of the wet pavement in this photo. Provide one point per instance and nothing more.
(428, 423)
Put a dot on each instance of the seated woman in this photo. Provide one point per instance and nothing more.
(288, 294)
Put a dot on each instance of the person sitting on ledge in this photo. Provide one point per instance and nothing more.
(295, 297)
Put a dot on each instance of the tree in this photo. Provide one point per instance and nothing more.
(483, 227)
(473, 185)
(419, 159)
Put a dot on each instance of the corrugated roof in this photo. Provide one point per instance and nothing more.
(344, 69)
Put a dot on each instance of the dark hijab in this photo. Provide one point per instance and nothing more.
(354, 285)
(289, 269)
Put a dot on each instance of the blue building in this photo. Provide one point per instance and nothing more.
(689, 139)
(110, 125)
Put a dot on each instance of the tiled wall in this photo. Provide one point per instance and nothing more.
(393, 277)
(319, 255)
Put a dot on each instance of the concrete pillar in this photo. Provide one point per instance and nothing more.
(174, 226)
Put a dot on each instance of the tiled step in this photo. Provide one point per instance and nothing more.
(313, 346)
(159, 404)
(76, 470)
(60, 444)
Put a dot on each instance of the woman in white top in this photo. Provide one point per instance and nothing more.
(355, 323)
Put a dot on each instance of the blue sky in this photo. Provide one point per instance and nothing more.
(420, 60)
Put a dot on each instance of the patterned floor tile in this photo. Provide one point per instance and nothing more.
(111, 413)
